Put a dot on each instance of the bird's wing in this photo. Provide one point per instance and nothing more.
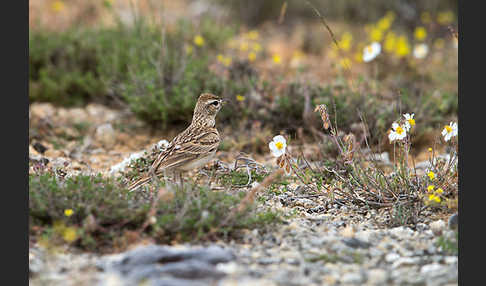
(181, 152)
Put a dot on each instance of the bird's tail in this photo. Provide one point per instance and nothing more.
(139, 183)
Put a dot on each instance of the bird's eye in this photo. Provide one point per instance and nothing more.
(215, 103)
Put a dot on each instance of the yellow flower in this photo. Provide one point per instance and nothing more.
(69, 234)
(445, 17)
(425, 17)
(345, 42)
(253, 35)
(199, 40)
(240, 98)
(358, 57)
(402, 47)
(420, 33)
(376, 34)
(58, 226)
(384, 23)
(439, 191)
(227, 61)
(390, 40)
(251, 56)
(430, 188)
(244, 46)
(57, 6)
(431, 175)
(68, 212)
(276, 59)
(256, 47)
(430, 149)
(433, 197)
(345, 63)
(189, 49)
(399, 130)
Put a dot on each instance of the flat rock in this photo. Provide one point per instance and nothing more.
(164, 265)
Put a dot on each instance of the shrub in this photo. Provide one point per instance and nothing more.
(63, 67)
(96, 212)
(147, 66)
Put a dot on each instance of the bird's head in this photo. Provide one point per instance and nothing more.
(208, 105)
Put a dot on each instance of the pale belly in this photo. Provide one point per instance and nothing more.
(197, 163)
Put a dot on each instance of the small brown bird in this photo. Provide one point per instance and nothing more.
(193, 147)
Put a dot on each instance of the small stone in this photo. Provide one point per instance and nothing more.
(450, 259)
(421, 227)
(391, 257)
(60, 163)
(375, 252)
(347, 232)
(42, 110)
(268, 260)
(228, 268)
(437, 227)
(453, 221)
(377, 277)
(430, 268)
(292, 261)
(352, 278)
(356, 243)
(39, 147)
(401, 232)
(405, 261)
(106, 135)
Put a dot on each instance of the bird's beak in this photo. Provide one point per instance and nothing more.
(224, 101)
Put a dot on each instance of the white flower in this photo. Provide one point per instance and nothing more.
(449, 131)
(409, 121)
(397, 133)
(278, 145)
(420, 51)
(371, 51)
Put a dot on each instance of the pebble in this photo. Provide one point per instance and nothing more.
(453, 221)
(377, 277)
(437, 227)
(405, 261)
(392, 257)
(352, 278)
(105, 134)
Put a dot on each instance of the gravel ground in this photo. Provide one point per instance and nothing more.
(314, 249)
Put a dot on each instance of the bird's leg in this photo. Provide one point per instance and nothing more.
(154, 175)
(181, 180)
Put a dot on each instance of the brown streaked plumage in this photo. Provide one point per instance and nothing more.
(193, 147)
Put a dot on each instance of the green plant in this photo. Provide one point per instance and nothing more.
(99, 213)
(165, 70)
(360, 180)
(241, 177)
(449, 245)
(63, 67)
